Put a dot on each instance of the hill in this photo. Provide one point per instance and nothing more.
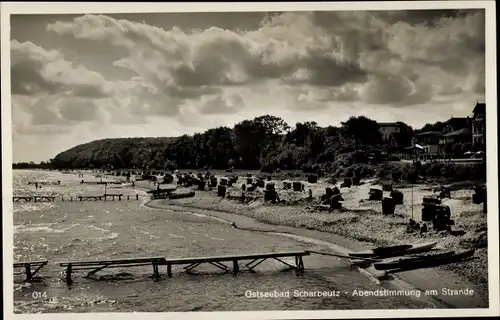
(265, 143)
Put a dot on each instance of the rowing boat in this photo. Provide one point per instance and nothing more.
(422, 247)
(361, 263)
(392, 251)
(381, 251)
(424, 261)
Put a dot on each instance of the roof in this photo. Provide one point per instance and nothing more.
(416, 146)
(480, 107)
(389, 124)
(458, 123)
(461, 132)
(429, 133)
(402, 140)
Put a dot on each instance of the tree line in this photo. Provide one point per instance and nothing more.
(266, 143)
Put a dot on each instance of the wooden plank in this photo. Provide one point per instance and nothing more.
(113, 265)
(113, 261)
(33, 263)
(237, 257)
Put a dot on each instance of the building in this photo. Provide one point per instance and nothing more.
(479, 124)
(455, 124)
(429, 141)
(456, 130)
(387, 129)
(458, 136)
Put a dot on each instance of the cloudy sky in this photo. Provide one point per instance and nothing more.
(76, 78)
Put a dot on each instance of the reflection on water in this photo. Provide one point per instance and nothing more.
(65, 231)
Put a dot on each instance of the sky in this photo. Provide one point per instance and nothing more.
(78, 78)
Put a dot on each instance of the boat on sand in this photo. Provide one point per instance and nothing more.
(423, 261)
(396, 250)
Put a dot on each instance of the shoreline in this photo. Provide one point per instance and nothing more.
(344, 230)
(260, 217)
(421, 279)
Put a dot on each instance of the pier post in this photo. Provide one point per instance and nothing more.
(155, 270)
(236, 267)
(169, 270)
(68, 275)
(28, 271)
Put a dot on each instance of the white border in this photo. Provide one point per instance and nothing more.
(79, 8)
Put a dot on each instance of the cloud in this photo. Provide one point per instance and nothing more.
(322, 48)
(222, 104)
(396, 91)
(292, 63)
(37, 71)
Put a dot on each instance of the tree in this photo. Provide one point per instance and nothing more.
(364, 131)
(437, 126)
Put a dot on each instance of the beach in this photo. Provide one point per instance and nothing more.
(199, 226)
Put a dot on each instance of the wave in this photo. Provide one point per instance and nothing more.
(41, 227)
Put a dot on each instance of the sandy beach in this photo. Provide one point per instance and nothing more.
(359, 224)
(88, 230)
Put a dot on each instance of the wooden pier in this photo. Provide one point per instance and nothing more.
(33, 198)
(256, 259)
(191, 263)
(41, 183)
(101, 182)
(161, 193)
(27, 267)
(103, 197)
(96, 266)
(113, 195)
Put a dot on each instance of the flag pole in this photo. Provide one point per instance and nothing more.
(412, 201)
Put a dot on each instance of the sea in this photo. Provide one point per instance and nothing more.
(84, 230)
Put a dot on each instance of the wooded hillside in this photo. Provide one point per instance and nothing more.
(265, 143)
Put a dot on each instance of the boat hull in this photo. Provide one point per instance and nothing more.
(422, 262)
(394, 250)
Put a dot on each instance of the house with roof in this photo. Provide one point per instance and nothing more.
(479, 124)
(456, 130)
(458, 136)
(394, 138)
(388, 128)
(436, 144)
(429, 142)
(456, 124)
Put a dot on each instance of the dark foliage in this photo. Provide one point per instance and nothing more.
(267, 143)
